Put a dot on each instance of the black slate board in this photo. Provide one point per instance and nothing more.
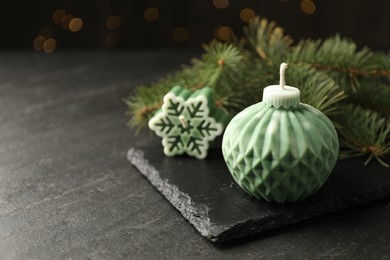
(206, 194)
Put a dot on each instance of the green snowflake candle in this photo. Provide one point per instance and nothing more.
(188, 121)
(280, 149)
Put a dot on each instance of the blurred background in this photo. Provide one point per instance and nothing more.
(52, 25)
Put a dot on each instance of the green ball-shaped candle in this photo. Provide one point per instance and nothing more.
(280, 149)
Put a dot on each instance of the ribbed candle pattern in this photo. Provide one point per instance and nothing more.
(280, 154)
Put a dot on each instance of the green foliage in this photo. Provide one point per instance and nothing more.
(338, 56)
(364, 132)
(220, 67)
(317, 88)
(268, 41)
(333, 74)
(374, 96)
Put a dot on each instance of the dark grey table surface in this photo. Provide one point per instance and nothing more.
(67, 190)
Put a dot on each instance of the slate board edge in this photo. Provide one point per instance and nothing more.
(197, 214)
(259, 225)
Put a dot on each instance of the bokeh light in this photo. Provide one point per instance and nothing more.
(153, 23)
(247, 14)
(180, 34)
(224, 33)
(308, 7)
(151, 14)
(113, 23)
(49, 45)
(75, 24)
(58, 15)
(66, 20)
(221, 4)
(38, 43)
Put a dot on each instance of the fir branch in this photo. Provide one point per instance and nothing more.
(324, 70)
(382, 61)
(353, 71)
(220, 66)
(364, 132)
(268, 40)
(247, 93)
(374, 96)
(337, 56)
(317, 88)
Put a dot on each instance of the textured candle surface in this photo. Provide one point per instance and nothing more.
(280, 154)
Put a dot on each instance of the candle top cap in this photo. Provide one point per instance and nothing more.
(277, 97)
(281, 95)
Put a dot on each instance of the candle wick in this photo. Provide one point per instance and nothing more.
(183, 121)
(283, 68)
